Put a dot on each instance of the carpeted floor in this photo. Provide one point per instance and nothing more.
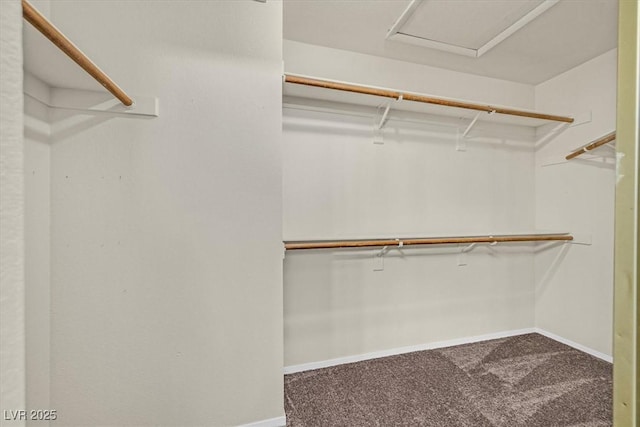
(523, 381)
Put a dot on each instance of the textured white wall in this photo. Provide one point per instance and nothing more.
(12, 262)
(574, 284)
(320, 61)
(166, 287)
(338, 184)
(37, 253)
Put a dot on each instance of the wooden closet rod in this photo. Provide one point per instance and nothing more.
(348, 87)
(595, 144)
(425, 241)
(43, 25)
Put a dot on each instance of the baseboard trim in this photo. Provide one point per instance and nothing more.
(441, 344)
(271, 422)
(575, 345)
(402, 350)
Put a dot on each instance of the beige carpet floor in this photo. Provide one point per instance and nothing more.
(523, 381)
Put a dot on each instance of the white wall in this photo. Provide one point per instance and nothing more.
(12, 199)
(320, 61)
(37, 253)
(574, 284)
(166, 253)
(338, 184)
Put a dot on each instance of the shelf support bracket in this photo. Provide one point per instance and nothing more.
(462, 255)
(551, 134)
(378, 137)
(379, 259)
(473, 122)
(383, 120)
(469, 247)
(461, 143)
(86, 100)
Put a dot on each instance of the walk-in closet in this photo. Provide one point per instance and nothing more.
(425, 210)
(319, 213)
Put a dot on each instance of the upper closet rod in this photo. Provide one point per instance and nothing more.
(425, 241)
(348, 87)
(595, 144)
(52, 33)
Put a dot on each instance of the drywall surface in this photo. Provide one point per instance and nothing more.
(339, 184)
(166, 287)
(574, 283)
(329, 63)
(12, 262)
(37, 253)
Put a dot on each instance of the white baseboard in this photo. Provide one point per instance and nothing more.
(441, 344)
(271, 422)
(401, 350)
(575, 345)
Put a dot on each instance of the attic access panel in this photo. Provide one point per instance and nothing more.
(465, 27)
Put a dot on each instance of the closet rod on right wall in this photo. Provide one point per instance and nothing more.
(49, 30)
(592, 145)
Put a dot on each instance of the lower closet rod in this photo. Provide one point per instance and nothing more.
(291, 245)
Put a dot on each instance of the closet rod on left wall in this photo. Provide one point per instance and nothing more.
(43, 25)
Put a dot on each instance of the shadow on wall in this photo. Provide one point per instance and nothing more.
(418, 251)
(553, 266)
(406, 128)
(46, 124)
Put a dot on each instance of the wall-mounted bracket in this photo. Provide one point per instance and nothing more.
(378, 259)
(461, 143)
(581, 118)
(383, 119)
(378, 124)
(469, 247)
(378, 137)
(473, 122)
(383, 251)
(87, 100)
(557, 130)
(581, 239)
(462, 255)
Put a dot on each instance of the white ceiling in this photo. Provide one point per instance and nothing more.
(566, 35)
(469, 24)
